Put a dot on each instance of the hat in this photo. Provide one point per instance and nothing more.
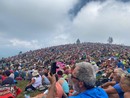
(35, 73)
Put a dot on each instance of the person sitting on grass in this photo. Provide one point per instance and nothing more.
(35, 82)
(58, 91)
(7, 80)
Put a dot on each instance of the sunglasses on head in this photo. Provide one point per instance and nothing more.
(127, 75)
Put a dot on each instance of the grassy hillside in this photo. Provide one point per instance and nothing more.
(22, 84)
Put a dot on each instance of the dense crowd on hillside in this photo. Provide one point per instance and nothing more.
(105, 60)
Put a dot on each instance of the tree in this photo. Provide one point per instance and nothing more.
(110, 40)
(20, 53)
(78, 41)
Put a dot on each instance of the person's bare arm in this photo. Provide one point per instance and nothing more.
(127, 95)
(51, 93)
(107, 84)
(111, 90)
(52, 89)
(43, 77)
(32, 81)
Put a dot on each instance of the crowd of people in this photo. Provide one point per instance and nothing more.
(92, 70)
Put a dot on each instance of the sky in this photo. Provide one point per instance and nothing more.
(33, 24)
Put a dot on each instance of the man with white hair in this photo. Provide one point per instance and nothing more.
(84, 79)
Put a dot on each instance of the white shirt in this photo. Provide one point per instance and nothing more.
(12, 75)
(38, 81)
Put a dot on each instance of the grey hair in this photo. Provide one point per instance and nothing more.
(86, 74)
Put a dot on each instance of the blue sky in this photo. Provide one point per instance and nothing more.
(32, 24)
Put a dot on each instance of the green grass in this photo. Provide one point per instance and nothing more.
(22, 84)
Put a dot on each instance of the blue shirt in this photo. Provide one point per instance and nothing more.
(46, 80)
(119, 90)
(120, 65)
(65, 86)
(8, 80)
(92, 93)
(128, 70)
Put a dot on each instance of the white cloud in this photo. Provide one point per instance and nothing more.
(97, 21)
(61, 39)
(32, 17)
(33, 44)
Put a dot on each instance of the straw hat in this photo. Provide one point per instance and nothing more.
(35, 73)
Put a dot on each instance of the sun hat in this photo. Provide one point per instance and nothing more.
(35, 73)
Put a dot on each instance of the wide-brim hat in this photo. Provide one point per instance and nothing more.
(35, 73)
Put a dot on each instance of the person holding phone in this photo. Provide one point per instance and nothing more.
(84, 80)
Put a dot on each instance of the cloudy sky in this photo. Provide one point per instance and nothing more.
(32, 24)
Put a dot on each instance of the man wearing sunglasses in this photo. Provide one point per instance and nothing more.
(83, 77)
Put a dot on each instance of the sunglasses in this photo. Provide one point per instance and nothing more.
(74, 77)
(127, 75)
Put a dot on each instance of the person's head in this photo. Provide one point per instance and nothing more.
(125, 82)
(59, 73)
(117, 73)
(35, 73)
(11, 71)
(83, 76)
(45, 71)
(7, 73)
